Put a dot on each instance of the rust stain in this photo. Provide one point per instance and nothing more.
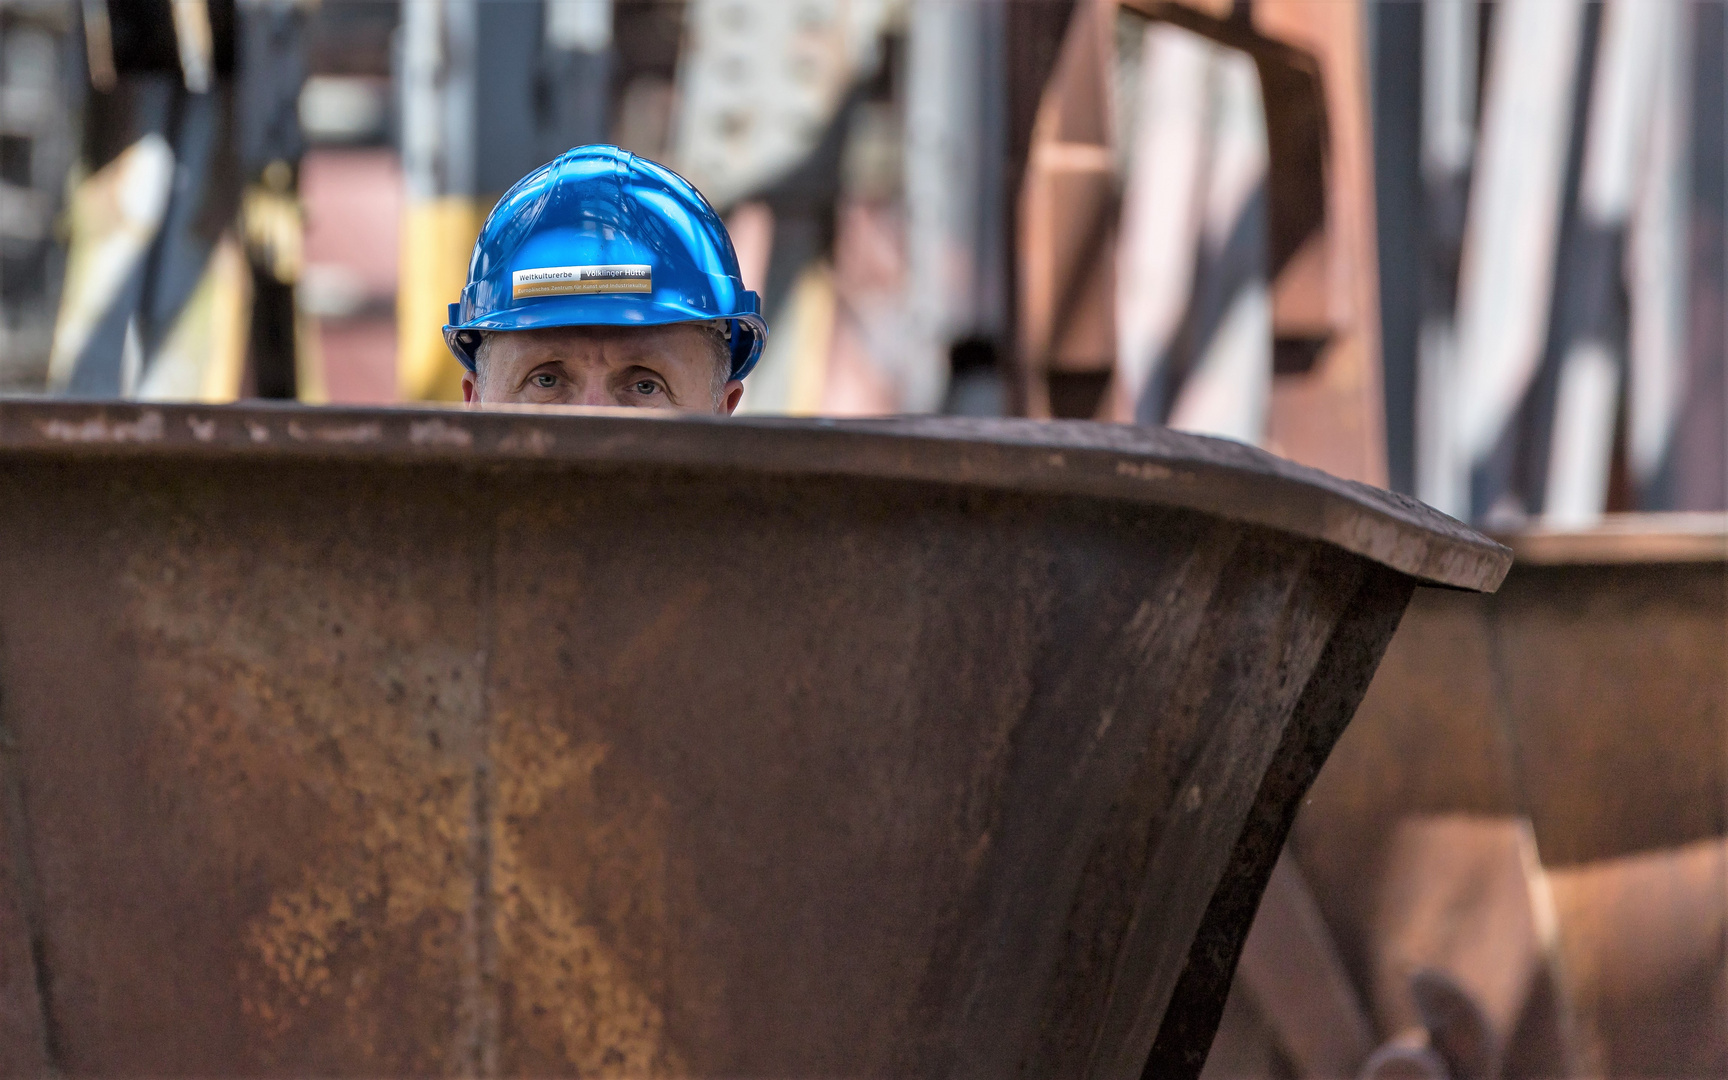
(576, 1001)
(368, 920)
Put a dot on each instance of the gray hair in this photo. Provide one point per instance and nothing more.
(719, 333)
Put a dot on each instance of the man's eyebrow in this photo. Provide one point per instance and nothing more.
(530, 371)
(629, 372)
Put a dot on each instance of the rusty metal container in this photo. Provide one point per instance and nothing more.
(1583, 708)
(400, 742)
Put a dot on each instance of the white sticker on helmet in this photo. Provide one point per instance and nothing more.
(576, 280)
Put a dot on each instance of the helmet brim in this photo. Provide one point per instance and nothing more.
(749, 335)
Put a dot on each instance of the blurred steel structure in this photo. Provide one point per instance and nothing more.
(353, 741)
(1067, 225)
(270, 61)
(1560, 240)
(40, 89)
(1592, 333)
(1194, 316)
(762, 80)
(956, 190)
(140, 241)
(1519, 193)
(351, 187)
(183, 225)
(1450, 40)
(1250, 310)
(576, 74)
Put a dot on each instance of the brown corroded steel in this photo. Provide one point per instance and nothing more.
(410, 742)
(1588, 699)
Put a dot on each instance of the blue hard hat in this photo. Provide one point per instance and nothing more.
(601, 237)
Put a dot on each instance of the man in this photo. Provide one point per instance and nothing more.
(604, 279)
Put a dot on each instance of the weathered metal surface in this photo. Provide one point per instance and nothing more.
(1586, 702)
(398, 742)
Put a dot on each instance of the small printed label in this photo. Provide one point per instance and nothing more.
(573, 280)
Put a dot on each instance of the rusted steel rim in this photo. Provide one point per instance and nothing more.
(1133, 464)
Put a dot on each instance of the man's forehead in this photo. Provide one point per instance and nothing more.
(617, 340)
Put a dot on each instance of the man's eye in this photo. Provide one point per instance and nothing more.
(645, 387)
(544, 380)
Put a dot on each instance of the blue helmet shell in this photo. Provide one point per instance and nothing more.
(601, 237)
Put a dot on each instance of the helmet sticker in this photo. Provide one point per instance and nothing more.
(576, 280)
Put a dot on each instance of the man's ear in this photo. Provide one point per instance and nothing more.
(731, 394)
(470, 391)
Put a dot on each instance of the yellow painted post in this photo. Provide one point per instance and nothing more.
(437, 238)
